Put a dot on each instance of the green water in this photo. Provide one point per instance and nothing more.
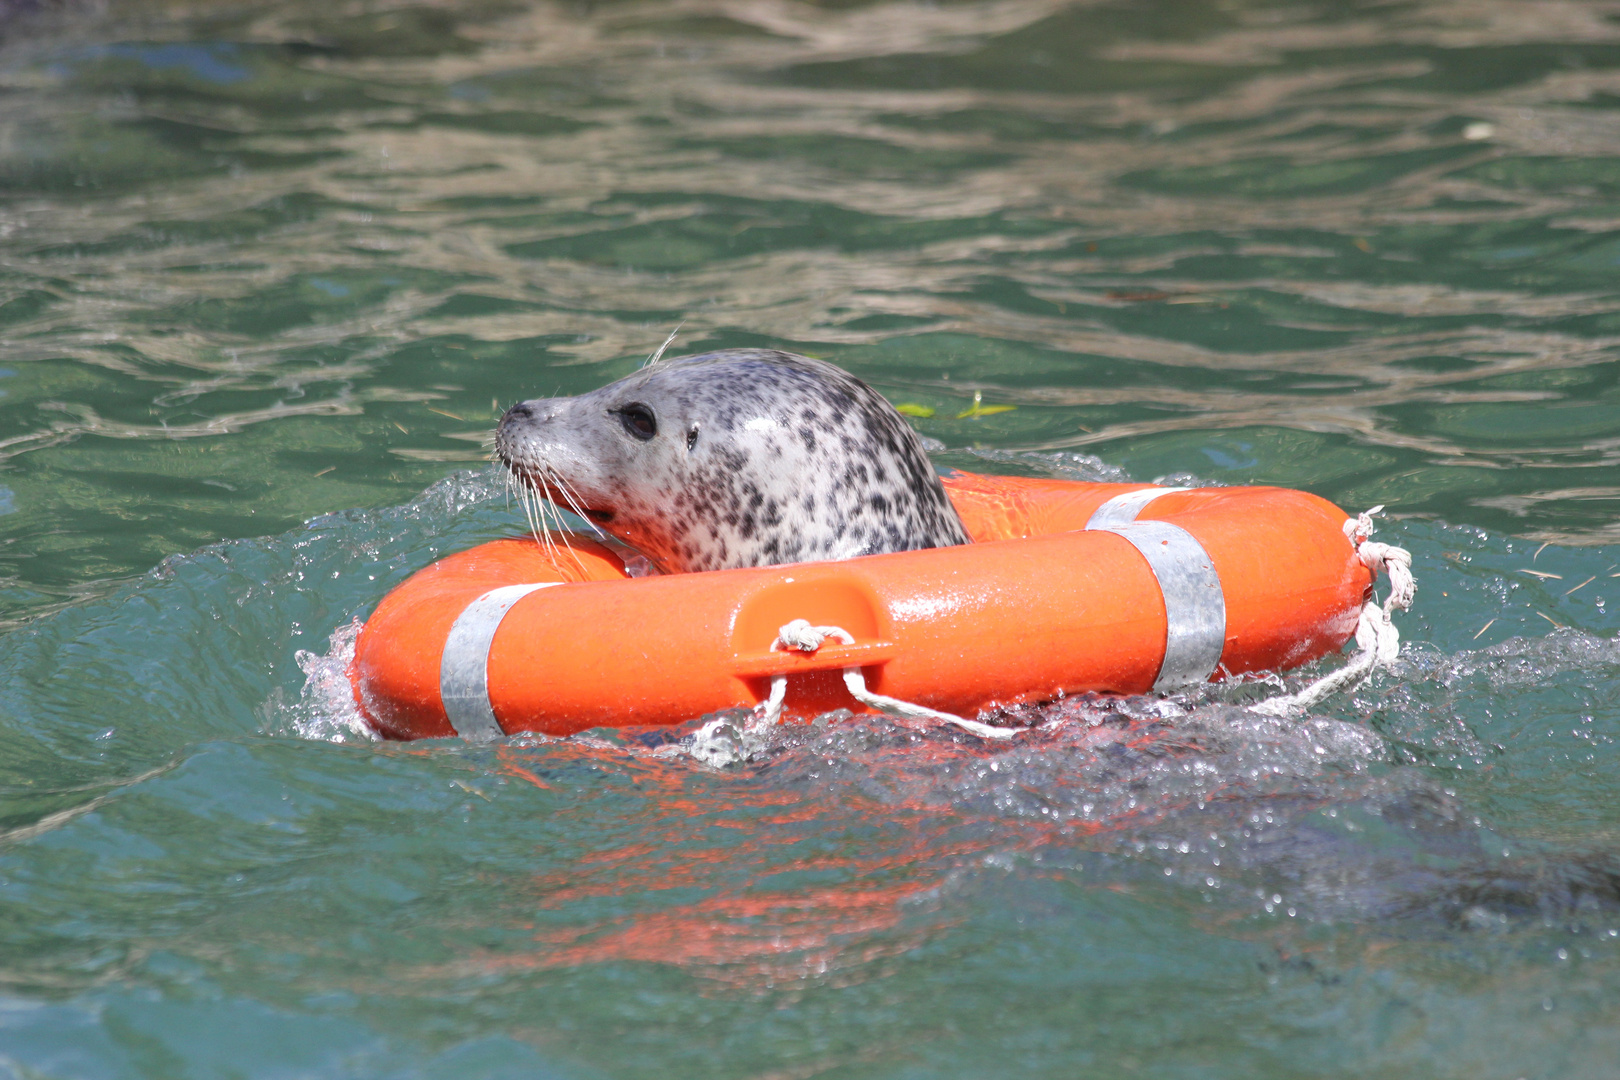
(268, 274)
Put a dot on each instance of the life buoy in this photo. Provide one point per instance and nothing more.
(1068, 588)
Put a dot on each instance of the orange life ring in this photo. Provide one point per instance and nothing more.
(1067, 588)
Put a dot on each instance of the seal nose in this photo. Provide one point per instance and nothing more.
(510, 432)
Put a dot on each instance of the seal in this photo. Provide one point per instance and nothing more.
(742, 457)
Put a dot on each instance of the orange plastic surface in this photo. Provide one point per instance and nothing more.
(1033, 609)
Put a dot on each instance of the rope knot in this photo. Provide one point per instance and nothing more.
(1361, 526)
(800, 636)
(1393, 562)
(1376, 636)
(1396, 564)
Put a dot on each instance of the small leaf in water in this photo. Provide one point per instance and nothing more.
(911, 408)
(978, 408)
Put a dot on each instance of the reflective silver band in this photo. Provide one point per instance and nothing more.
(464, 671)
(1194, 605)
(1122, 509)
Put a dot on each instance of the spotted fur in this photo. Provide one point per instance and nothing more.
(759, 457)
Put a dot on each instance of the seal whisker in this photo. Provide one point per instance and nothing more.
(658, 354)
(535, 530)
(538, 526)
(576, 504)
(514, 488)
(556, 483)
(560, 537)
(545, 525)
(539, 497)
(547, 521)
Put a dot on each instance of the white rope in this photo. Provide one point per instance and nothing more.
(800, 636)
(1376, 635)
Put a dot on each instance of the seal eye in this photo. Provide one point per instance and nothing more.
(638, 420)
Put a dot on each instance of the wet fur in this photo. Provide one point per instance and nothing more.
(760, 457)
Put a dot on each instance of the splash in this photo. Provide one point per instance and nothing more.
(1095, 760)
(326, 710)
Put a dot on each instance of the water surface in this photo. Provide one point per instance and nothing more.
(269, 273)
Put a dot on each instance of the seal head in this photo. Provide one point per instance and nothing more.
(743, 457)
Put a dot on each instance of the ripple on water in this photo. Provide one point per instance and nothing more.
(260, 262)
